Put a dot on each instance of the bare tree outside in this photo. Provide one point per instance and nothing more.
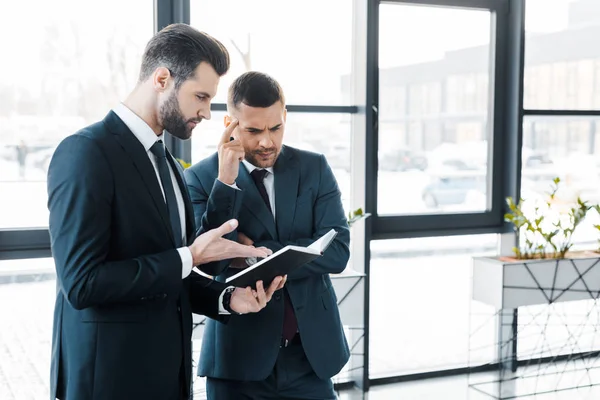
(246, 54)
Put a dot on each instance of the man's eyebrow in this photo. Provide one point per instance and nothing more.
(275, 127)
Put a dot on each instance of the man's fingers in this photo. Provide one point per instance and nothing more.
(252, 300)
(282, 283)
(261, 295)
(267, 251)
(235, 151)
(275, 285)
(228, 132)
(224, 229)
(235, 146)
(240, 250)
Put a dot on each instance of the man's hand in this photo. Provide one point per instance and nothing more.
(231, 152)
(240, 263)
(246, 300)
(210, 246)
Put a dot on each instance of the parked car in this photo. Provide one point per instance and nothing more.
(453, 187)
(402, 160)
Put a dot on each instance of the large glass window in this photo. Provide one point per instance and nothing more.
(27, 295)
(421, 315)
(567, 148)
(67, 68)
(434, 109)
(306, 46)
(562, 59)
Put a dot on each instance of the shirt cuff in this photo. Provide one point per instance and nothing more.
(222, 310)
(186, 261)
(235, 186)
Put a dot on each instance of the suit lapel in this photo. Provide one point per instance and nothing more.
(142, 163)
(254, 203)
(189, 211)
(287, 177)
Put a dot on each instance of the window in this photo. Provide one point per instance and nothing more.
(72, 63)
(306, 46)
(27, 295)
(421, 314)
(561, 52)
(433, 151)
(567, 148)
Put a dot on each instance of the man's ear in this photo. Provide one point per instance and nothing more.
(160, 79)
(227, 120)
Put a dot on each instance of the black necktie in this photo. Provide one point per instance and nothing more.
(290, 324)
(258, 175)
(158, 149)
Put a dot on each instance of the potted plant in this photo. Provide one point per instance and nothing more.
(542, 269)
(356, 216)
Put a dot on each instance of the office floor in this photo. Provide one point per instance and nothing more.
(453, 388)
(537, 378)
(448, 388)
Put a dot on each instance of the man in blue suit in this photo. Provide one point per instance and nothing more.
(124, 240)
(281, 196)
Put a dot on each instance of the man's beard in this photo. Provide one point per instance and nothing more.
(172, 119)
(254, 158)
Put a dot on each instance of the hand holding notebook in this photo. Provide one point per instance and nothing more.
(281, 262)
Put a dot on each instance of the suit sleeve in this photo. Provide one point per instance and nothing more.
(328, 214)
(80, 193)
(205, 295)
(212, 209)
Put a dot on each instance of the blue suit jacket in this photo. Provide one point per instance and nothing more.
(307, 204)
(122, 322)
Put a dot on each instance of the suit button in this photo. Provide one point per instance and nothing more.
(164, 295)
(178, 309)
(277, 297)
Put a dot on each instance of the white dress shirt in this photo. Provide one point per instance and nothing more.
(147, 138)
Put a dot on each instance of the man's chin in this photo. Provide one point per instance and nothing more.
(260, 163)
(183, 135)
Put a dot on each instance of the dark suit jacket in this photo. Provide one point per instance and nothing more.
(122, 322)
(307, 205)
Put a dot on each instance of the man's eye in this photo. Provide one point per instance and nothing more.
(201, 98)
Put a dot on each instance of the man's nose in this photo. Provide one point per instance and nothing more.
(204, 113)
(265, 141)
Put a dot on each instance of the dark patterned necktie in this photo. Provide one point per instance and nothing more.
(290, 324)
(158, 149)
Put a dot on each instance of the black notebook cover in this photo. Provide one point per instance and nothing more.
(281, 263)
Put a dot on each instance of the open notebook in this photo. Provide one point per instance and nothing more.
(281, 263)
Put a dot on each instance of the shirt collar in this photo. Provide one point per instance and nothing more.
(251, 167)
(140, 129)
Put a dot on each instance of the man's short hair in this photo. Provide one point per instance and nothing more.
(255, 89)
(181, 48)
